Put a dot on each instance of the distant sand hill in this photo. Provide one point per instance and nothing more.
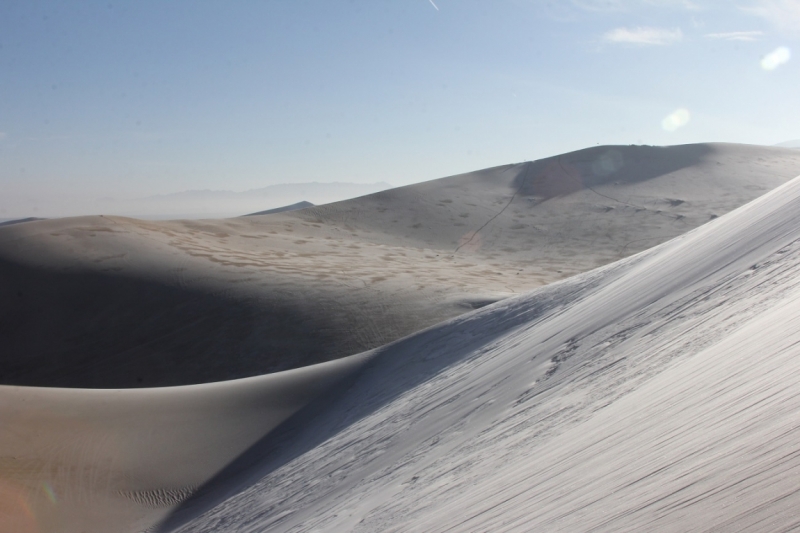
(19, 221)
(440, 357)
(292, 207)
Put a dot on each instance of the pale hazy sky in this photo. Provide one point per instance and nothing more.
(139, 98)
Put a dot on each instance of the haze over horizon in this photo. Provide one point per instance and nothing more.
(134, 100)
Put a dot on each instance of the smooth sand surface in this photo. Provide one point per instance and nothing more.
(88, 460)
(659, 393)
(110, 302)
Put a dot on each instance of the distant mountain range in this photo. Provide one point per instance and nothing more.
(212, 204)
(790, 144)
(320, 191)
(195, 203)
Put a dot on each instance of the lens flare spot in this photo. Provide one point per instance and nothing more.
(16, 515)
(677, 119)
(776, 58)
(49, 492)
(608, 163)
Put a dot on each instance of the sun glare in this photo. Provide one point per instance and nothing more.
(776, 58)
(677, 119)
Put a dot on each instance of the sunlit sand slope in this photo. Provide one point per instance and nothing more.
(659, 393)
(99, 461)
(118, 302)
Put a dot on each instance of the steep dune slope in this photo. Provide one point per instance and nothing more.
(659, 393)
(109, 302)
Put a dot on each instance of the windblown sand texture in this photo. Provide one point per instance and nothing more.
(655, 393)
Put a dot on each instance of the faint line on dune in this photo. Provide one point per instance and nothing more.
(636, 206)
(558, 160)
(519, 189)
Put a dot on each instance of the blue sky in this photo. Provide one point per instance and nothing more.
(137, 98)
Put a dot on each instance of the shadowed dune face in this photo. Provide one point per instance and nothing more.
(96, 330)
(139, 308)
(111, 302)
(618, 165)
(292, 207)
(19, 221)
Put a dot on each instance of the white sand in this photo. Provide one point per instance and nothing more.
(660, 393)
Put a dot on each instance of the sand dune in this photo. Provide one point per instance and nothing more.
(88, 460)
(652, 393)
(18, 221)
(659, 393)
(248, 296)
(292, 207)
